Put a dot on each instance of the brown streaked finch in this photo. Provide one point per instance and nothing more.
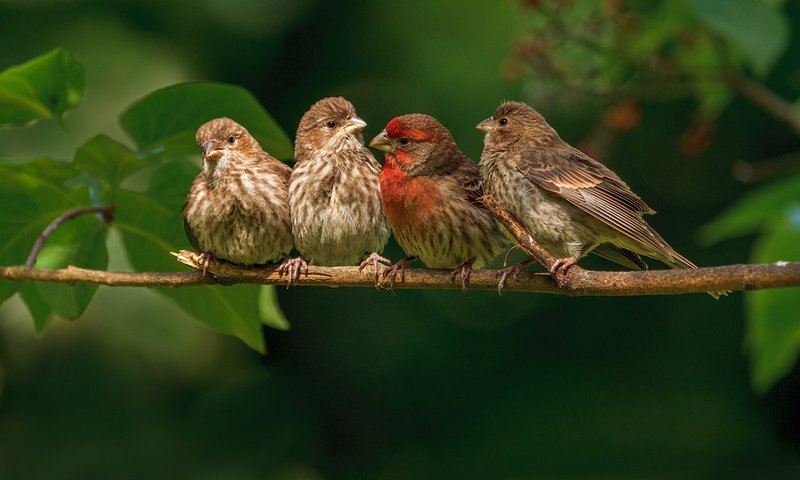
(570, 203)
(431, 192)
(334, 193)
(238, 206)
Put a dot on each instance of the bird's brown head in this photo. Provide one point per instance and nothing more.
(326, 124)
(516, 122)
(417, 143)
(223, 140)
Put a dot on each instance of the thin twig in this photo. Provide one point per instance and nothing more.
(764, 98)
(515, 227)
(584, 282)
(106, 212)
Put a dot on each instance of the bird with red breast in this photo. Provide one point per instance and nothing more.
(431, 196)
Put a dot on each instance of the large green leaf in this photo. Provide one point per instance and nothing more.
(80, 242)
(758, 28)
(751, 212)
(269, 310)
(773, 335)
(166, 120)
(109, 161)
(35, 189)
(151, 227)
(37, 305)
(46, 86)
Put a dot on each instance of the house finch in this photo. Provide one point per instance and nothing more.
(570, 203)
(334, 192)
(430, 192)
(238, 206)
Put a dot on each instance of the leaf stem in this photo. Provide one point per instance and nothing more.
(106, 214)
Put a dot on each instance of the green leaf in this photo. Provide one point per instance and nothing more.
(758, 28)
(773, 320)
(753, 210)
(270, 312)
(108, 160)
(36, 191)
(38, 307)
(151, 227)
(80, 242)
(166, 120)
(44, 87)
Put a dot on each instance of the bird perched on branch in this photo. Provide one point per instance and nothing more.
(570, 203)
(337, 218)
(431, 192)
(238, 206)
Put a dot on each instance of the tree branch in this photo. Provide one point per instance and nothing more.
(577, 282)
(583, 282)
(764, 98)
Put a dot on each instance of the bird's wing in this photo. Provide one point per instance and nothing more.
(468, 176)
(189, 233)
(596, 190)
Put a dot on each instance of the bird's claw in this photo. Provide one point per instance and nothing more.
(513, 271)
(293, 268)
(464, 271)
(392, 271)
(206, 259)
(561, 267)
(374, 259)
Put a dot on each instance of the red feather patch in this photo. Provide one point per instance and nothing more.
(395, 129)
(408, 201)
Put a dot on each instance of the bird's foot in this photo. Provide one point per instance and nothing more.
(561, 267)
(399, 267)
(464, 271)
(513, 271)
(207, 259)
(374, 259)
(293, 268)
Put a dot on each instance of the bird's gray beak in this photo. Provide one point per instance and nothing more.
(486, 125)
(211, 150)
(382, 142)
(353, 125)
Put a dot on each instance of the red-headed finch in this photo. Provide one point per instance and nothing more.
(431, 192)
(238, 206)
(337, 218)
(570, 203)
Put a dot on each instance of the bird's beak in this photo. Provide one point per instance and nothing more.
(353, 125)
(382, 142)
(486, 125)
(211, 150)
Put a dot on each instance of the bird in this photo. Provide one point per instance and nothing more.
(334, 191)
(570, 203)
(237, 208)
(431, 195)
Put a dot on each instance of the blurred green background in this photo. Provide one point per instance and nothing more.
(421, 384)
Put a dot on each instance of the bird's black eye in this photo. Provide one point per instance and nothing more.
(404, 141)
(503, 121)
(331, 124)
(231, 139)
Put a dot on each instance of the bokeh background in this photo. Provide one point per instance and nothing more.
(416, 384)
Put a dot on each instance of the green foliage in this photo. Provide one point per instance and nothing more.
(614, 51)
(166, 120)
(758, 28)
(46, 86)
(147, 217)
(773, 337)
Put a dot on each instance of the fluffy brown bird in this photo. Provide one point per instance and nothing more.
(238, 206)
(337, 218)
(430, 192)
(570, 203)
